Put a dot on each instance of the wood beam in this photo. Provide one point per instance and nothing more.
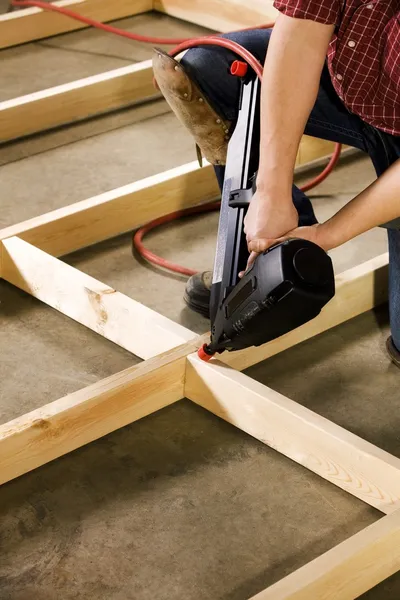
(344, 459)
(220, 15)
(28, 24)
(117, 211)
(347, 571)
(116, 89)
(357, 290)
(76, 101)
(99, 307)
(60, 427)
(16, 451)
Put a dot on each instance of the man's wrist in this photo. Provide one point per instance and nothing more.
(327, 236)
(270, 189)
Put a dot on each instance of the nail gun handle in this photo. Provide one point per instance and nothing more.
(239, 187)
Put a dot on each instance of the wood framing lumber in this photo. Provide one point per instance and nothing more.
(348, 570)
(26, 25)
(118, 318)
(18, 436)
(220, 15)
(60, 427)
(72, 102)
(332, 452)
(357, 290)
(117, 211)
(75, 101)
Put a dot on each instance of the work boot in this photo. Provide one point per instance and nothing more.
(392, 351)
(197, 293)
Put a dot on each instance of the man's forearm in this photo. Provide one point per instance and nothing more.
(293, 67)
(376, 205)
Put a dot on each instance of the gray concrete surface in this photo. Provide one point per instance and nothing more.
(180, 504)
(61, 59)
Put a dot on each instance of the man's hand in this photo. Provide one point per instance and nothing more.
(313, 233)
(267, 220)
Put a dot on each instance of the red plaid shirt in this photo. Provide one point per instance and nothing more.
(363, 56)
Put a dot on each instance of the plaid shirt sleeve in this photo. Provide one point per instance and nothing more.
(322, 11)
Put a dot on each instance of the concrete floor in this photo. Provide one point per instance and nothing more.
(180, 504)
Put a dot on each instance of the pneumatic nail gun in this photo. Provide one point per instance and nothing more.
(287, 285)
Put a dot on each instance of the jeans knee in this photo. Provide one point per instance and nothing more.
(198, 62)
(209, 68)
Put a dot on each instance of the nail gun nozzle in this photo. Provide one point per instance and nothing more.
(204, 353)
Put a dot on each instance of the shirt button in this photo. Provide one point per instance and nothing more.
(370, 6)
(339, 77)
(351, 44)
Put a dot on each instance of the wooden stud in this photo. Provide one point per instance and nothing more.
(220, 15)
(76, 101)
(60, 427)
(99, 307)
(99, 94)
(118, 211)
(28, 24)
(332, 452)
(349, 462)
(347, 571)
(49, 286)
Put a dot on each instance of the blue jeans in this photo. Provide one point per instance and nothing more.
(329, 120)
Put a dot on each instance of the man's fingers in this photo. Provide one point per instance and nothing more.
(255, 248)
(250, 261)
(259, 245)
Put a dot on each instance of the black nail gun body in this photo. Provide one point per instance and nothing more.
(288, 284)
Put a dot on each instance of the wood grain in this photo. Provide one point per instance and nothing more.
(62, 426)
(382, 494)
(118, 318)
(347, 571)
(76, 101)
(344, 459)
(117, 211)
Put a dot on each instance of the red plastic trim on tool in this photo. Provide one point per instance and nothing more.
(223, 43)
(203, 355)
(239, 68)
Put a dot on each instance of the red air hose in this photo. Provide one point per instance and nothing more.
(158, 260)
(182, 44)
(110, 28)
(97, 24)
